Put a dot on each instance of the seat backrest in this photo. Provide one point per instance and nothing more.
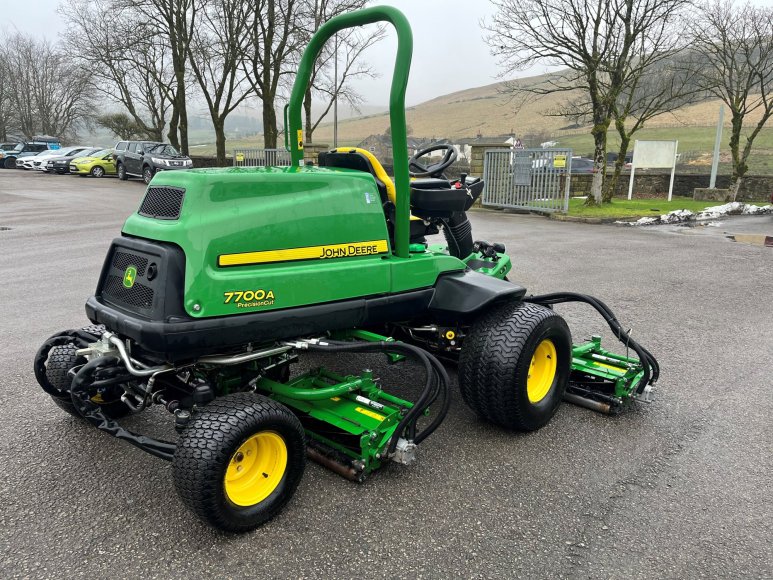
(360, 160)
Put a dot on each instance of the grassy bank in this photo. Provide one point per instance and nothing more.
(622, 208)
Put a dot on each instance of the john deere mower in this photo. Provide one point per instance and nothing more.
(224, 277)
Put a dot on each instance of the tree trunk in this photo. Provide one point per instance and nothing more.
(183, 120)
(735, 189)
(219, 124)
(610, 185)
(599, 162)
(270, 131)
(739, 163)
(173, 124)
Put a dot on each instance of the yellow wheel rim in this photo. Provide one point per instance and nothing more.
(542, 371)
(256, 468)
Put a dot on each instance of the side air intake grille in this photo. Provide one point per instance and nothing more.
(122, 260)
(162, 203)
(139, 295)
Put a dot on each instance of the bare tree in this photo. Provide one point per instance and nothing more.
(6, 110)
(215, 55)
(121, 125)
(593, 41)
(324, 84)
(127, 61)
(653, 82)
(171, 22)
(20, 59)
(649, 91)
(48, 92)
(275, 35)
(733, 60)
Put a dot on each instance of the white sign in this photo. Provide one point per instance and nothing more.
(654, 155)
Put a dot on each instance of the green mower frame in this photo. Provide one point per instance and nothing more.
(224, 277)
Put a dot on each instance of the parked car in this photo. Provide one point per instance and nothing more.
(8, 157)
(61, 164)
(582, 165)
(97, 164)
(145, 158)
(38, 160)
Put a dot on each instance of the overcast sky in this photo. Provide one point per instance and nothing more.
(449, 51)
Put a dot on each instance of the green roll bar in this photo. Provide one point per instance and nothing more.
(396, 103)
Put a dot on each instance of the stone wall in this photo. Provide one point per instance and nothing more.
(201, 161)
(478, 152)
(754, 188)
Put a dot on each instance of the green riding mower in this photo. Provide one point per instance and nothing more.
(224, 277)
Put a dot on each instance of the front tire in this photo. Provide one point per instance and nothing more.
(239, 460)
(122, 172)
(147, 175)
(97, 171)
(514, 365)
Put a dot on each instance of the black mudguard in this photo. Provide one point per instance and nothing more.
(460, 296)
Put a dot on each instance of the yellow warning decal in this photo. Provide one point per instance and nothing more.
(369, 413)
(307, 253)
(616, 369)
(300, 138)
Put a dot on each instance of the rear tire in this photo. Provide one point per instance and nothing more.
(239, 460)
(514, 365)
(10, 163)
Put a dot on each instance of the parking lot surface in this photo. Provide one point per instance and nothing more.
(680, 488)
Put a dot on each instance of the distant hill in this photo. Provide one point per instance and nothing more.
(496, 109)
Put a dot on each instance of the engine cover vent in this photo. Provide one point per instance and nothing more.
(163, 203)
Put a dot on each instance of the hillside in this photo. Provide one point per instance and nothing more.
(494, 110)
(488, 110)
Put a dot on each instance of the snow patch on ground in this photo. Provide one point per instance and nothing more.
(679, 216)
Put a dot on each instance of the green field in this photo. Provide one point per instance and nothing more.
(695, 144)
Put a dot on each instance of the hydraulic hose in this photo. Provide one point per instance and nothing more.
(436, 384)
(649, 363)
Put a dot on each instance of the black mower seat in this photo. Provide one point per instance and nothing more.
(360, 160)
(436, 198)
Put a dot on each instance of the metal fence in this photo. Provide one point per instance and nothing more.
(261, 158)
(529, 179)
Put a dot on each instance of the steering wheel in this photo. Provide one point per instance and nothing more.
(417, 169)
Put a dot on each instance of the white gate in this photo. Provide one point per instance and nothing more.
(528, 179)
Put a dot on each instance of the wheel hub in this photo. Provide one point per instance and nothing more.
(542, 371)
(256, 469)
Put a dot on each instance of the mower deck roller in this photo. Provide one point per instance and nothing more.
(223, 278)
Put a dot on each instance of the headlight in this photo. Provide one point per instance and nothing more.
(158, 161)
(188, 163)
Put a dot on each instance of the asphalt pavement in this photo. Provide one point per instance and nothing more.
(679, 488)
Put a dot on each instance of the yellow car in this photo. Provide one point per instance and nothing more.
(97, 165)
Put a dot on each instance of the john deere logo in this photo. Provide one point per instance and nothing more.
(129, 276)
